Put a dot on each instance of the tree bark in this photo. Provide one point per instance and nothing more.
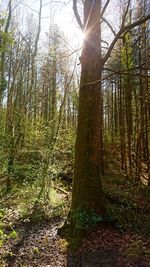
(87, 193)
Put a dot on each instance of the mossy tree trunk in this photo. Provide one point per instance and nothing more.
(87, 194)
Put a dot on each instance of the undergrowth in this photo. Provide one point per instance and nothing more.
(23, 205)
(127, 204)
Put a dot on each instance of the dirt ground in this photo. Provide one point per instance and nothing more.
(38, 245)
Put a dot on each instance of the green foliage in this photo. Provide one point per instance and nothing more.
(115, 179)
(3, 235)
(86, 219)
(13, 235)
(63, 152)
(25, 173)
(127, 55)
(35, 134)
(2, 141)
(6, 38)
(36, 250)
(39, 213)
(29, 156)
(54, 157)
(123, 208)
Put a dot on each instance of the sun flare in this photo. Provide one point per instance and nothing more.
(80, 37)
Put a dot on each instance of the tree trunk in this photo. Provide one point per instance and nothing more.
(87, 194)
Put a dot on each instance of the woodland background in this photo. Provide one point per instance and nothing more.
(38, 120)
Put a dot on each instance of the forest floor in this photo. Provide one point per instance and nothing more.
(37, 243)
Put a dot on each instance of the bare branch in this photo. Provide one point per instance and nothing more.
(119, 72)
(125, 14)
(109, 25)
(29, 7)
(105, 7)
(105, 42)
(122, 30)
(77, 14)
(124, 70)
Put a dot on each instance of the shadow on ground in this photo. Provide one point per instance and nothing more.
(98, 258)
